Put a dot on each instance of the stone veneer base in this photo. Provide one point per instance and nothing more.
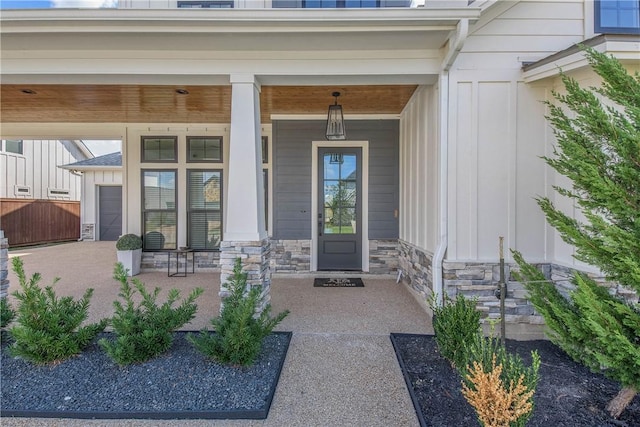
(479, 280)
(255, 256)
(4, 265)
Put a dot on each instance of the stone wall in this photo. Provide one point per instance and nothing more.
(561, 275)
(383, 256)
(255, 256)
(4, 265)
(290, 256)
(480, 280)
(205, 262)
(415, 265)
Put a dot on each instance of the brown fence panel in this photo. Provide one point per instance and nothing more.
(28, 222)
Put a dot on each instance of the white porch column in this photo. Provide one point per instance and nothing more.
(245, 198)
(245, 234)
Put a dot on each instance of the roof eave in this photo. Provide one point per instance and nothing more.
(624, 47)
(244, 20)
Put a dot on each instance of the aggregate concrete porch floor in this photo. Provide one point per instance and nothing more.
(340, 369)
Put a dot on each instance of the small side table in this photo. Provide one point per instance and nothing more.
(181, 254)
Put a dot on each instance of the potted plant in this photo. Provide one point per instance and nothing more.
(129, 249)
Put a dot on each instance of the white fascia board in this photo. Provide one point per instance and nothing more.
(236, 20)
(622, 50)
(91, 168)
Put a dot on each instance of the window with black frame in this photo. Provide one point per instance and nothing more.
(617, 16)
(204, 149)
(159, 149)
(204, 203)
(159, 210)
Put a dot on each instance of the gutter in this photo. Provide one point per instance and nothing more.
(456, 44)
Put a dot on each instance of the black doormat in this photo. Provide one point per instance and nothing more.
(325, 282)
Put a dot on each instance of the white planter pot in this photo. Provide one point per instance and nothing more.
(131, 261)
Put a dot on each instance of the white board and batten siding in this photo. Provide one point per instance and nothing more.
(35, 173)
(419, 170)
(497, 131)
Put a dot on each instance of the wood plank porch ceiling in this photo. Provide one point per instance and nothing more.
(203, 104)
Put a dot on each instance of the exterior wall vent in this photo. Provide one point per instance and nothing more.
(57, 193)
(22, 191)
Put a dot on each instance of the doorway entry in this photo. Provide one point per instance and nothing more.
(339, 208)
(110, 212)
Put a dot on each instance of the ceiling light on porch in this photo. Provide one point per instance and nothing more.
(182, 92)
(28, 91)
(335, 121)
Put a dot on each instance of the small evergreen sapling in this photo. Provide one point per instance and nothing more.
(239, 331)
(47, 328)
(7, 314)
(456, 325)
(498, 384)
(145, 330)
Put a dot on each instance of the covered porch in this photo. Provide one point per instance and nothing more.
(256, 85)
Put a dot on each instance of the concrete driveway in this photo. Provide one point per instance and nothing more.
(340, 369)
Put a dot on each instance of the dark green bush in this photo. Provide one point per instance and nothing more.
(145, 330)
(47, 328)
(457, 325)
(129, 242)
(239, 332)
(7, 314)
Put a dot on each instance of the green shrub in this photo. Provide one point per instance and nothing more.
(485, 355)
(239, 332)
(129, 242)
(48, 328)
(7, 314)
(145, 330)
(456, 325)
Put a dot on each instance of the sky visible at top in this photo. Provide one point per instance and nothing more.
(47, 4)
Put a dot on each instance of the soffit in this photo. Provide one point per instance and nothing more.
(203, 104)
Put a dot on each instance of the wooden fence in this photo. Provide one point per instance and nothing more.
(29, 222)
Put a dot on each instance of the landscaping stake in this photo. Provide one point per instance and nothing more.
(503, 293)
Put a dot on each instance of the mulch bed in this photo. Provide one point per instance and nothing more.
(180, 384)
(568, 394)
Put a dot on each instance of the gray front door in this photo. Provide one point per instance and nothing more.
(110, 203)
(339, 208)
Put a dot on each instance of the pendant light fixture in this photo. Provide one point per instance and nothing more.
(335, 121)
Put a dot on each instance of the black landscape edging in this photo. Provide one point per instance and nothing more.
(407, 380)
(258, 414)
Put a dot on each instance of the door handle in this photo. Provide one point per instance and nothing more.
(320, 228)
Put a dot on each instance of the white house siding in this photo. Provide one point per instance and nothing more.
(89, 212)
(419, 172)
(497, 129)
(37, 168)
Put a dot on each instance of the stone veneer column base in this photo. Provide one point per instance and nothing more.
(255, 256)
(4, 265)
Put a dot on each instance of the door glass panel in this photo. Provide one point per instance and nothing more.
(340, 193)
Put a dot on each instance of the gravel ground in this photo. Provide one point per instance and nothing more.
(568, 394)
(180, 380)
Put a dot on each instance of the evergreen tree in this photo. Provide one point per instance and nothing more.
(598, 149)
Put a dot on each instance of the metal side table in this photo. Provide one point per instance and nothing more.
(181, 255)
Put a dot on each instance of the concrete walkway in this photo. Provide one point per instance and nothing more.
(340, 369)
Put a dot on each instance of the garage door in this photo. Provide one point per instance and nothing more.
(110, 204)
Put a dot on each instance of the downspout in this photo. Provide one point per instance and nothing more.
(456, 43)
